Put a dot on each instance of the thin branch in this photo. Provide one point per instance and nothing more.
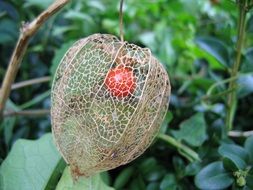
(27, 31)
(27, 113)
(231, 100)
(29, 82)
(121, 20)
(186, 151)
(240, 133)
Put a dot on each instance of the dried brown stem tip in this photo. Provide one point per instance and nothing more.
(27, 31)
(29, 113)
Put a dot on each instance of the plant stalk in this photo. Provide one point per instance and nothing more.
(240, 133)
(187, 152)
(232, 98)
(29, 113)
(29, 82)
(121, 20)
(27, 31)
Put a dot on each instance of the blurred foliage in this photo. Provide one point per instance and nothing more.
(194, 39)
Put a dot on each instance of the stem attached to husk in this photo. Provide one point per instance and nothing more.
(121, 20)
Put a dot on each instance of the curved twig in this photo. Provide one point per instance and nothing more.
(190, 154)
(27, 31)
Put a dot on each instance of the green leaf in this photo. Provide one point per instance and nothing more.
(105, 177)
(247, 65)
(165, 49)
(91, 183)
(42, 4)
(203, 83)
(216, 48)
(249, 178)
(202, 54)
(110, 25)
(148, 39)
(153, 186)
(75, 15)
(245, 86)
(35, 100)
(97, 5)
(123, 177)
(250, 24)
(8, 123)
(8, 126)
(192, 130)
(60, 30)
(213, 177)
(166, 121)
(8, 31)
(58, 56)
(179, 165)
(155, 174)
(248, 145)
(192, 168)
(169, 182)
(137, 183)
(147, 165)
(235, 153)
(32, 165)
(229, 165)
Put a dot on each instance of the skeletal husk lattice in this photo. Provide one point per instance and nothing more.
(94, 128)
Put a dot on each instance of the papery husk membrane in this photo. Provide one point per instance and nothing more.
(94, 130)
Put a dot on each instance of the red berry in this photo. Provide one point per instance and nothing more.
(120, 81)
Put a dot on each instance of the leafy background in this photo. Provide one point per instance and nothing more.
(194, 39)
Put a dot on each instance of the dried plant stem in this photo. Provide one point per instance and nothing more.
(30, 82)
(27, 31)
(183, 149)
(240, 133)
(27, 113)
(121, 20)
(232, 101)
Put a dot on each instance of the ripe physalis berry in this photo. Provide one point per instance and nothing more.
(120, 81)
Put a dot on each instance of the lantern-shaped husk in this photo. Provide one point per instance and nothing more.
(93, 129)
